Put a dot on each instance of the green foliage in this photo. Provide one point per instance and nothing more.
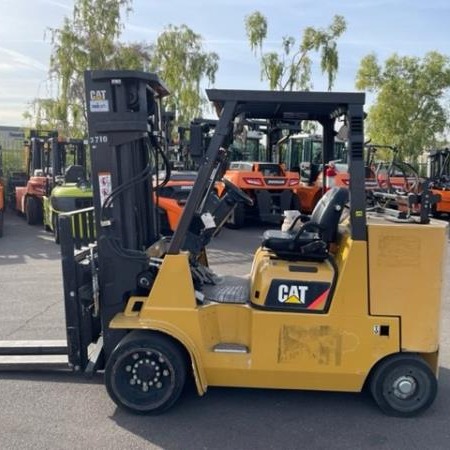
(88, 40)
(408, 110)
(180, 60)
(256, 28)
(291, 67)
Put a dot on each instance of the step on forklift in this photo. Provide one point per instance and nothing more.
(28, 198)
(349, 299)
(68, 188)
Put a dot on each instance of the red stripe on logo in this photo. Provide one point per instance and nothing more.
(317, 303)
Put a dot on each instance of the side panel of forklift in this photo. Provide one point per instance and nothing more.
(272, 348)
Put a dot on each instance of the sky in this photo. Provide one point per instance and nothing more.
(405, 27)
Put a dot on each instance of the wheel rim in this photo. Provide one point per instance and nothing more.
(407, 389)
(144, 378)
(404, 387)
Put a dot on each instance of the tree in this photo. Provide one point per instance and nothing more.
(180, 60)
(291, 67)
(89, 40)
(408, 110)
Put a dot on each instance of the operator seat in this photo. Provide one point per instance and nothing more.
(311, 241)
(74, 174)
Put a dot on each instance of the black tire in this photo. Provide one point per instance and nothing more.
(55, 223)
(33, 211)
(145, 373)
(403, 385)
(237, 217)
(1, 223)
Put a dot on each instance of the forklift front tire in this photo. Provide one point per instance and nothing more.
(33, 211)
(403, 385)
(145, 373)
(55, 222)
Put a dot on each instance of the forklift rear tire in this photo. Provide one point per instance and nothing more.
(145, 373)
(33, 211)
(403, 385)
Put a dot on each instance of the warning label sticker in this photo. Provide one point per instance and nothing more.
(105, 185)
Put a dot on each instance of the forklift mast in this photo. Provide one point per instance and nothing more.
(439, 164)
(124, 121)
(65, 153)
(38, 153)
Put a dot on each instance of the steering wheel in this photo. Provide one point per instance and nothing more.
(239, 194)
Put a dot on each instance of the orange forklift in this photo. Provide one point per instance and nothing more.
(303, 154)
(29, 198)
(439, 177)
(257, 171)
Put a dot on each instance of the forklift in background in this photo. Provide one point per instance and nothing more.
(256, 170)
(28, 198)
(439, 176)
(333, 305)
(68, 187)
(173, 186)
(303, 153)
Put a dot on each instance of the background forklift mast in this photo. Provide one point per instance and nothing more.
(28, 198)
(438, 167)
(257, 170)
(438, 173)
(303, 153)
(171, 196)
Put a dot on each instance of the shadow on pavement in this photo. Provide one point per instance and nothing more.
(228, 418)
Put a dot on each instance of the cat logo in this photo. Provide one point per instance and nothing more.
(98, 101)
(99, 94)
(292, 294)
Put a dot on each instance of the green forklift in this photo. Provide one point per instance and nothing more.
(69, 188)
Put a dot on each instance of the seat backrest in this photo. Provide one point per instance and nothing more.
(74, 174)
(328, 211)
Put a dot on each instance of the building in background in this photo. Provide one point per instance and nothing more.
(11, 142)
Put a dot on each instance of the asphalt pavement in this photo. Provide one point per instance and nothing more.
(60, 410)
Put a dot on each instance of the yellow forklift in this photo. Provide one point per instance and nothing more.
(326, 306)
(348, 299)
